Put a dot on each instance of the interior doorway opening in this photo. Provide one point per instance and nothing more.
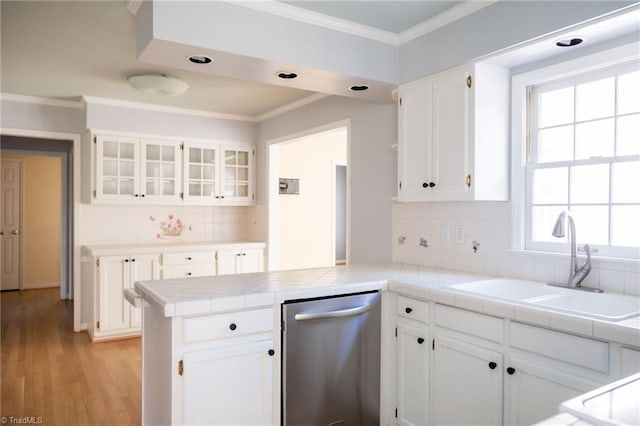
(45, 256)
(308, 200)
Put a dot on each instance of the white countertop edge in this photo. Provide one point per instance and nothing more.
(167, 246)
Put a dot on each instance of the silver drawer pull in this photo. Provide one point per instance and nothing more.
(333, 314)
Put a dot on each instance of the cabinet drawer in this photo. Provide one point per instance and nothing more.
(412, 309)
(564, 347)
(188, 257)
(227, 325)
(471, 323)
(201, 270)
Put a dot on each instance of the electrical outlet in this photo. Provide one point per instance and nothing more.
(460, 234)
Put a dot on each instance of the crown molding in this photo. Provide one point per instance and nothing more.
(291, 106)
(315, 18)
(41, 101)
(167, 109)
(448, 16)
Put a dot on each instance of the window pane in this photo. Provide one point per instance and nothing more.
(544, 218)
(126, 150)
(153, 152)
(195, 155)
(550, 186)
(624, 226)
(628, 89)
(594, 139)
(592, 224)
(624, 185)
(555, 144)
(209, 156)
(168, 153)
(590, 184)
(595, 99)
(628, 142)
(556, 107)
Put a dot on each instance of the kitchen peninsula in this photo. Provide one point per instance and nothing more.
(229, 328)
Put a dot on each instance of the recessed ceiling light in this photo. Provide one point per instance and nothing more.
(359, 87)
(569, 42)
(200, 59)
(158, 84)
(287, 75)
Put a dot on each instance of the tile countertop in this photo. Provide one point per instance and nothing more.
(173, 246)
(203, 295)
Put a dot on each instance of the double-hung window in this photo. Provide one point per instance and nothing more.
(583, 156)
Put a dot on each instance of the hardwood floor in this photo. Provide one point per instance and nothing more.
(49, 371)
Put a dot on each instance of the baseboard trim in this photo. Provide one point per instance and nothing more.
(39, 285)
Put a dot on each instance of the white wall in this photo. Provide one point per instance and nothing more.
(372, 163)
(306, 236)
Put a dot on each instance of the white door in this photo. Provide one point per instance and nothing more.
(117, 168)
(412, 357)
(201, 174)
(10, 216)
(251, 260)
(467, 384)
(535, 391)
(161, 173)
(143, 267)
(450, 134)
(228, 261)
(236, 183)
(113, 309)
(415, 143)
(231, 385)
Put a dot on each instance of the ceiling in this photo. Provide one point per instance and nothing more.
(68, 49)
(64, 50)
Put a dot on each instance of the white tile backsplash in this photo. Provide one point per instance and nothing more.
(489, 223)
(106, 224)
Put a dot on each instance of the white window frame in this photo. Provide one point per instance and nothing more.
(520, 146)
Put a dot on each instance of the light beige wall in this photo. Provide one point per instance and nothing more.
(306, 235)
(41, 220)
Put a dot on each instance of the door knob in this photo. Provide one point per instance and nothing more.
(492, 365)
(15, 232)
(511, 370)
(420, 340)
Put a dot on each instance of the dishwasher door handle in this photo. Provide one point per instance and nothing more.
(333, 314)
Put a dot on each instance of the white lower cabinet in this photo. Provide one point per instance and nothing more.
(535, 390)
(114, 315)
(412, 382)
(467, 384)
(229, 385)
(240, 261)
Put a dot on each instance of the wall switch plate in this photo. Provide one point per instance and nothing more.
(460, 234)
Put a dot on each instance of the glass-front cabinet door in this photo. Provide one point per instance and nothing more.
(161, 170)
(201, 173)
(237, 177)
(117, 167)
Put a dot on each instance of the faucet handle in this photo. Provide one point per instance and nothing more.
(587, 251)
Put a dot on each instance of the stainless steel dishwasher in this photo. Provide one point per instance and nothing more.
(331, 362)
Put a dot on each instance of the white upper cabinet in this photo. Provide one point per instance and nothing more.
(123, 169)
(454, 136)
(219, 175)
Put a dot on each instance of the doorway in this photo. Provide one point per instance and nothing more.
(43, 232)
(308, 200)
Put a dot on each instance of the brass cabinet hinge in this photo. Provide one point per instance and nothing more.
(98, 325)
(95, 139)
(469, 81)
(180, 367)
(95, 193)
(182, 195)
(400, 101)
(469, 181)
(396, 331)
(98, 263)
(433, 344)
(253, 197)
(400, 184)
(396, 412)
(182, 146)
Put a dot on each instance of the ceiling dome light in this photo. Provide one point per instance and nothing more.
(200, 59)
(158, 84)
(287, 75)
(569, 42)
(359, 87)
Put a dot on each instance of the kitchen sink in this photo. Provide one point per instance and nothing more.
(606, 306)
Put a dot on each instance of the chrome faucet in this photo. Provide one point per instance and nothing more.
(577, 274)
